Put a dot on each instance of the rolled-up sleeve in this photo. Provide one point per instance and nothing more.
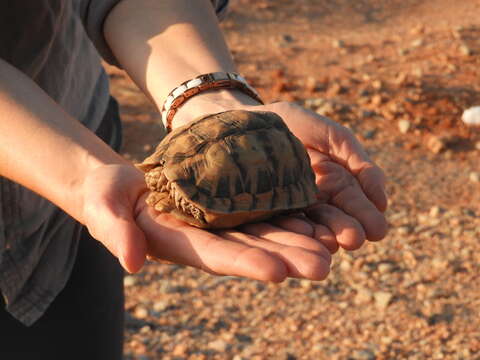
(94, 13)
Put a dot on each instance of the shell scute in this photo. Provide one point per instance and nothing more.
(230, 168)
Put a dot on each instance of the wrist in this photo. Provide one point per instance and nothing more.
(210, 102)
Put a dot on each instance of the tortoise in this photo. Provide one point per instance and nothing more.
(229, 168)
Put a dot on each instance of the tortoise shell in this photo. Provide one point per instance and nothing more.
(225, 169)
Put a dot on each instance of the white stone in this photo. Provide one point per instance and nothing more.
(129, 280)
(404, 126)
(218, 345)
(382, 299)
(471, 116)
(474, 176)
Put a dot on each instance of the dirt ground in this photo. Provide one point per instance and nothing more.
(399, 73)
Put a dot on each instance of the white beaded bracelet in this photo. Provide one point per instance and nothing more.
(188, 89)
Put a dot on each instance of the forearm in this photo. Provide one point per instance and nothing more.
(162, 43)
(41, 146)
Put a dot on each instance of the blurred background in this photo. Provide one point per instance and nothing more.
(400, 74)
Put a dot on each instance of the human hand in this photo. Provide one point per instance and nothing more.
(352, 196)
(257, 251)
(352, 188)
(116, 214)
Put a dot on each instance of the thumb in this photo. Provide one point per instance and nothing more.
(119, 233)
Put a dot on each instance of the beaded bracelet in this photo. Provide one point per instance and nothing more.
(188, 89)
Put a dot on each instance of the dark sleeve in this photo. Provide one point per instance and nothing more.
(94, 13)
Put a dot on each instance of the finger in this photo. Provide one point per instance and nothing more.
(343, 190)
(295, 223)
(277, 235)
(346, 150)
(178, 242)
(131, 247)
(372, 180)
(300, 262)
(354, 202)
(115, 228)
(348, 231)
(326, 237)
(331, 175)
(300, 224)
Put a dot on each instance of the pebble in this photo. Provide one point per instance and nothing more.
(369, 134)
(385, 268)
(382, 299)
(306, 284)
(435, 211)
(471, 116)
(404, 230)
(160, 306)
(474, 176)
(364, 296)
(363, 354)
(376, 100)
(465, 50)
(325, 109)
(404, 126)
(435, 144)
(129, 280)
(141, 312)
(180, 350)
(417, 43)
(338, 44)
(345, 265)
(218, 345)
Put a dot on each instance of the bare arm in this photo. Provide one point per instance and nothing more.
(42, 147)
(174, 41)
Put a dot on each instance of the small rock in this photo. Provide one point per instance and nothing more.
(345, 265)
(377, 84)
(218, 345)
(325, 109)
(435, 211)
(435, 144)
(385, 268)
(364, 296)
(145, 329)
(417, 71)
(369, 134)
(471, 116)
(129, 280)
(404, 126)
(376, 100)
(474, 176)
(338, 44)
(160, 306)
(314, 103)
(417, 43)
(141, 312)
(180, 350)
(382, 299)
(465, 50)
(404, 230)
(306, 284)
(364, 354)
